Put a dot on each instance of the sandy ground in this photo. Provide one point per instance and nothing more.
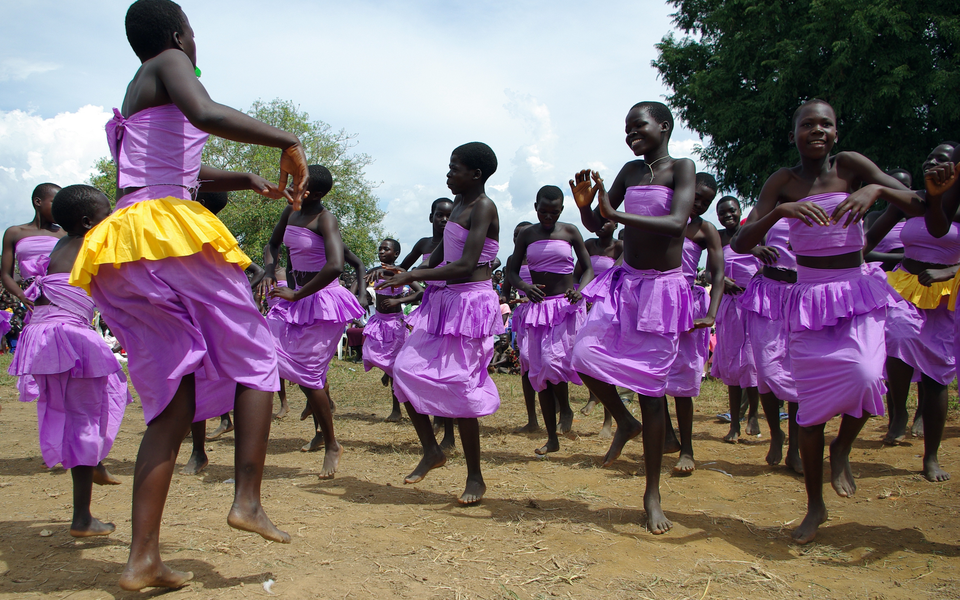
(559, 526)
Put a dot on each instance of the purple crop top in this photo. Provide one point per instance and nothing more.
(648, 200)
(307, 252)
(31, 251)
(690, 259)
(779, 237)
(919, 245)
(829, 240)
(550, 256)
(156, 147)
(601, 263)
(454, 240)
(739, 267)
(891, 241)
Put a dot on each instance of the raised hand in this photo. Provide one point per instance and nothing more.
(400, 279)
(807, 212)
(768, 255)
(293, 162)
(583, 192)
(265, 188)
(940, 178)
(606, 209)
(573, 295)
(284, 293)
(856, 204)
(266, 284)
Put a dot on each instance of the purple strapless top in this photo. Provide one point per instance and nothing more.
(57, 289)
(779, 237)
(891, 241)
(601, 263)
(454, 239)
(829, 240)
(739, 267)
(306, 249)
(690, 259)
(425, 260)
(919, 245)
(31, 251)
(648, 200)
(155, 148)
(550, 256)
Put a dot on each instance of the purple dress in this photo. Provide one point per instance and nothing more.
(306, 331)
(546, 330)
(82, 389)
(836, 322)
(383, 336)
(733, 360)
(168, 276)
(632, 331)
(442, 367)
(764, 303)
(921, 330)
(33, 255)
(693, 346)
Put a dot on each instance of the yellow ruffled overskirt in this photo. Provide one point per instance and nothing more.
(153, 230)
(921, 296)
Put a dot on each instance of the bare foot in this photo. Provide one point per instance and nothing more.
(657, 522)
(606, 432)
(221, 429)
(448, 443)
(793, 461)
(528, 428)
(733, 435)
(158, 575)
(753, 426)
(313, 445)
(671, 444)
(841, 477)
(932, 470)
(917, 429)
(588, 407)
(331, 460)
(473, 492)
(625, 433)
(775, 454)
(550, 446)
(92, 528)
(393, 417)
(684, 466)
(566, 423)
(306, 412)
(284, 409)
(197, 463)
(896, 430)
(333, 405)
(385, 380)
(892, 440)
(101, 476)
(429, 462)
(807, 530)
(256, 521)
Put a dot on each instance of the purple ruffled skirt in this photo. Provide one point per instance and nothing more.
(693, 347)
(764, 303)
(632, 331)
(182, 315)
(306, 333)
(383, 336)
(546, 332)
(442, 367)
(733, 360)
(82, 391)
(923, 338)
(836, 346)
(5, 319)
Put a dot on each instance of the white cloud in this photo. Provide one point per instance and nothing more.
(33, 150)
(14, 69)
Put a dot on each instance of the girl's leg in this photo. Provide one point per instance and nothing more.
(198, 458)
(225, 426)
(548, 400)
(151, 482)
(433, 456)
(562, 393)
(670, 442)
(449, 442)
(470, 438)
(101, 476)
(627, 426)
(284, 407)
(934, 418)
(735, 396)
(530, 402)
(590, 405)
(321, 406)
(771, 410)
(811, 451)
(83, 524)
(652, 411)
(917, 429)
(685, 464)
(899, 375)
(793, 443)
(395, 414)
(753, 401)
(841, 476)
(606, 430)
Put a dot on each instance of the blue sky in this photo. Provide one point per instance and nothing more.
(545, 83)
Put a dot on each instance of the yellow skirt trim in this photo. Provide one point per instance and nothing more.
(153, 230)
(954, 290)
(919, 295)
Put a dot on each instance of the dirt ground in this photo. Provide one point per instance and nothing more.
(555, 527)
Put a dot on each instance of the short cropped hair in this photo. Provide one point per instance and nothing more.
(214, 201)
(438, 202)
(806, 103)
(396, 244)
(707, 180)
(728, 199)
(44, 189)
(477, 155)
(150, 25)
(657, 110)
(550, 192)
(74, 202)
(320, 180)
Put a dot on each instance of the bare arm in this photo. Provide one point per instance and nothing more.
(881, 227)
(583, 258)
(272, 250)
(218, 180)
(10, 239)
(354, 261)
(411, 258)
(943, 196)
(333, 248)
(715, 267)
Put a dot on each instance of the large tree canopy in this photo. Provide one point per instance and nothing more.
(251, 218)
(891, 70)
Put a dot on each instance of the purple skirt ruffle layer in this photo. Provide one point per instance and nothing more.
(333, 303)
(837, 355)
(383, 336)
(82, 391)
(5, 319)
(631, 334)
(693, 347)
(183, 315)
(923, 339)
(549, 329)
(442, 367)
(733, 360)
(764, 303)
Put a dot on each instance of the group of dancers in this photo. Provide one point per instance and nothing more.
(801, 318)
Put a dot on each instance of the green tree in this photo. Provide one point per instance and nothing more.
(890, 69)
(251, 218)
